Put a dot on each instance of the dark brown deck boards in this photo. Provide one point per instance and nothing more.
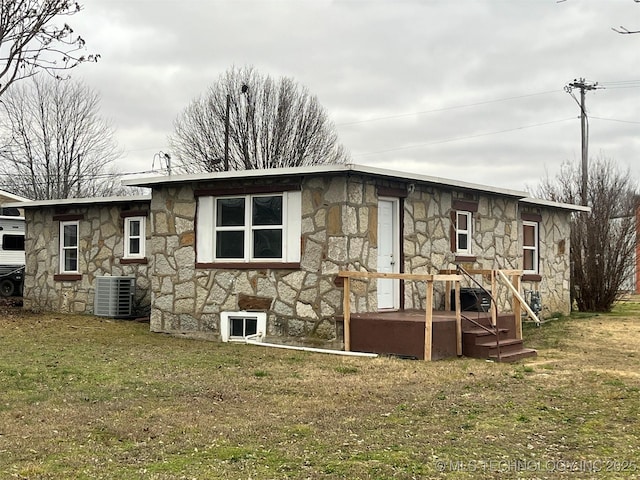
(401, 332)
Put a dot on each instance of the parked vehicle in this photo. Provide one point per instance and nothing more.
(12, 259)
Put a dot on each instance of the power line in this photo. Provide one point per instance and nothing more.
(615, 120)
(443, 109)
(619, 84)
(618, 81)
(455, 139)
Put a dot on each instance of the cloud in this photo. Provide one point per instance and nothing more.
(367, 60)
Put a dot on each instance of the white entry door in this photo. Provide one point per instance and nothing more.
(388, 253)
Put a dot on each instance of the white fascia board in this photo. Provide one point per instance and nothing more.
(234, 174)
(551, 204)
(445, 182)
(322, 169)
(80, 201)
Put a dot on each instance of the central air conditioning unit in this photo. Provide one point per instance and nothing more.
(472, 300)
(114, 297)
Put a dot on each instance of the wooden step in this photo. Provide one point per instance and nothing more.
(475, 341)
(508, 345)
(468, 325)
(515, 356)
(481, 334)
(478, 343)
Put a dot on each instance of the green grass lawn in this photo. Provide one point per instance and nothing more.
(83, 397)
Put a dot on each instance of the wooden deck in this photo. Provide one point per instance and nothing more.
(402, 333)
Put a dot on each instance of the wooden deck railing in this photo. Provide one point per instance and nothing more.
(429, 280)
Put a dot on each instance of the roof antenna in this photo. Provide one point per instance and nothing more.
(162, 156)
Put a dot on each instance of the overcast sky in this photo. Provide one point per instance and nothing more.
(470, 90)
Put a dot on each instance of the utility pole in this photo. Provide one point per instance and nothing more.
(226, 135)
(78, 189)
(245, 89)
(583, 85)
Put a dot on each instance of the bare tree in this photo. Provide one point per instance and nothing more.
(270, 124)
(55, 144)
(624, 30)
(603, 240)
(30, 41)
(621, 29)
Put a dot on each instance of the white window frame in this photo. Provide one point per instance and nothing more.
(64, 249)
(128, 237)
(468, 232)
(291, 229)
(226, 319)
(535, 248)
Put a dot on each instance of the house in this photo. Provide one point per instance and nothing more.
(230, 253)
(71, 242)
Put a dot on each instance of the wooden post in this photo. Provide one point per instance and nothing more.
(346, 312)
(518, 300)
(518, 310)
(447, 295)
(428, 322)
(494, 294)
(458, 320)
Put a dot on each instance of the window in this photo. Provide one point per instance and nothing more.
(134, 237)
(463, 232)
(237, 326)
(9, 212)
(530, 247)
(69, 247)
(13, 242)
(249, 228)
(241, 327)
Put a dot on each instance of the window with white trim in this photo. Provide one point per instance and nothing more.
(463, 232)
(134, 237)
(69, 247)
(530, 247)
(249, 228)
(237, 326)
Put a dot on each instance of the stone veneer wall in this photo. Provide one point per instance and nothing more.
(427, 239)
(496, 243)
(339, 231)
(100, 250)
(554, 233)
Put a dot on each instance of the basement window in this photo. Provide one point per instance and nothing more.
(237, 326)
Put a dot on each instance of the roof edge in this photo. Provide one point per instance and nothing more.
(15, 198)
(321, 169)
(80, 201)
(550, 203)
